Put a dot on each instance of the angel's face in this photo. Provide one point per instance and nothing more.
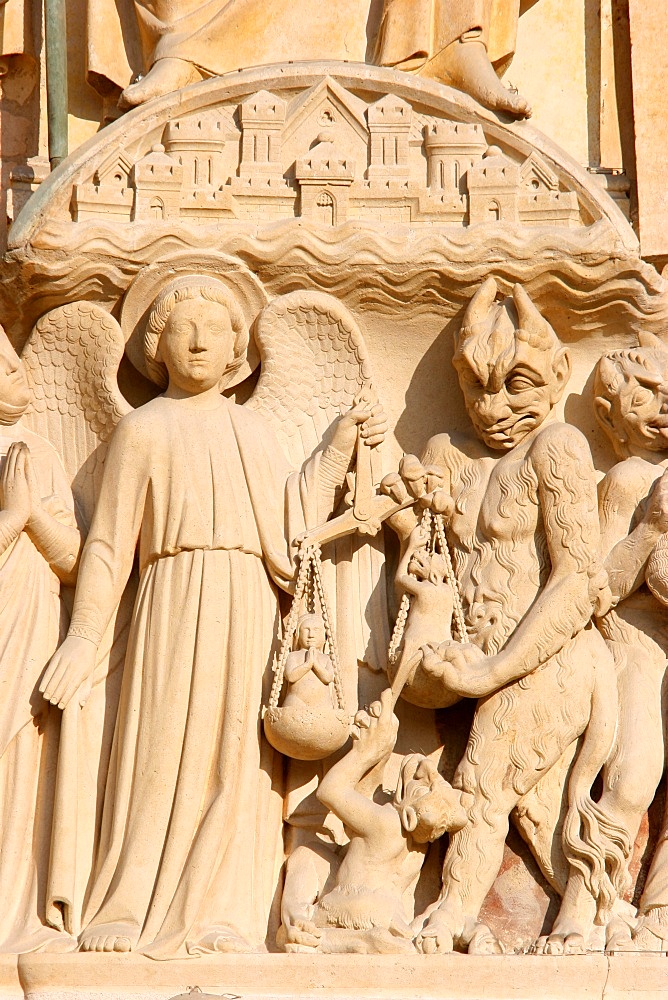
(14, 390)
(197, 345)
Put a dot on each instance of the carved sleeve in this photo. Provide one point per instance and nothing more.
(107, 557)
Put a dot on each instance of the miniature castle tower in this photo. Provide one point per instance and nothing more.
(452, 149)
(157, 181)
(325, 179)
(197, 143)
(389, 121)
(494, 189)
(262, 119)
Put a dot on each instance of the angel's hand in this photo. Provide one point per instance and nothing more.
(371, 416)
(70, 670)
(15, 488)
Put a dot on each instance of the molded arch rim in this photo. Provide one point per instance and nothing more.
(55, 192)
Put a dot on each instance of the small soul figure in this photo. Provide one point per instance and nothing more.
(361, 906)
(309, 671)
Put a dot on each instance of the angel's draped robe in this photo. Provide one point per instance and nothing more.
(30, 621)
(191, 835)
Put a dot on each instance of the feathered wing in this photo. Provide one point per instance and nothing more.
(71, 360)
(314, 365)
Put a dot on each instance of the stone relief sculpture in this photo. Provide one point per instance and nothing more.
(219, 765)
(39, 553)
(214, 506)
(461, 44)
(360, 908)
(631, 403)
(524, 533)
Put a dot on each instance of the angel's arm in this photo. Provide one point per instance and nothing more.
(54, 534)
(107, 557)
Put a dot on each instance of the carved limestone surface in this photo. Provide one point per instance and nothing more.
(631, 404)
(524, 530)
(329, 157)
(334, 500)
(203, 628)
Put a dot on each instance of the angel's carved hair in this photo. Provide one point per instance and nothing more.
(184, 289)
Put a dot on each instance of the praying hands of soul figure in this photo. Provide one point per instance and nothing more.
(191, 844)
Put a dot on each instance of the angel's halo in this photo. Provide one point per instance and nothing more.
(149, 282)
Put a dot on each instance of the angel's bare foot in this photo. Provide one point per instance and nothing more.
(164, 77)
(109, 937)
(465, 65)
(560, 944)
(483, 942)
(220, 940)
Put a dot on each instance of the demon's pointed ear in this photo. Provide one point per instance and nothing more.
(562, 367)
(603, 412)
(409, 818)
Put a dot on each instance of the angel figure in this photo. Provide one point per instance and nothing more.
(191, 831)
(39, 551)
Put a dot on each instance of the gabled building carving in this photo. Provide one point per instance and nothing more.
(328, 156)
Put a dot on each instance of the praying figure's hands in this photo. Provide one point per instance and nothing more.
(70, 670)
(16, 496)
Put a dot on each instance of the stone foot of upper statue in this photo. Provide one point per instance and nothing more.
(465, 65)
(164, 77)
(109, 937)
